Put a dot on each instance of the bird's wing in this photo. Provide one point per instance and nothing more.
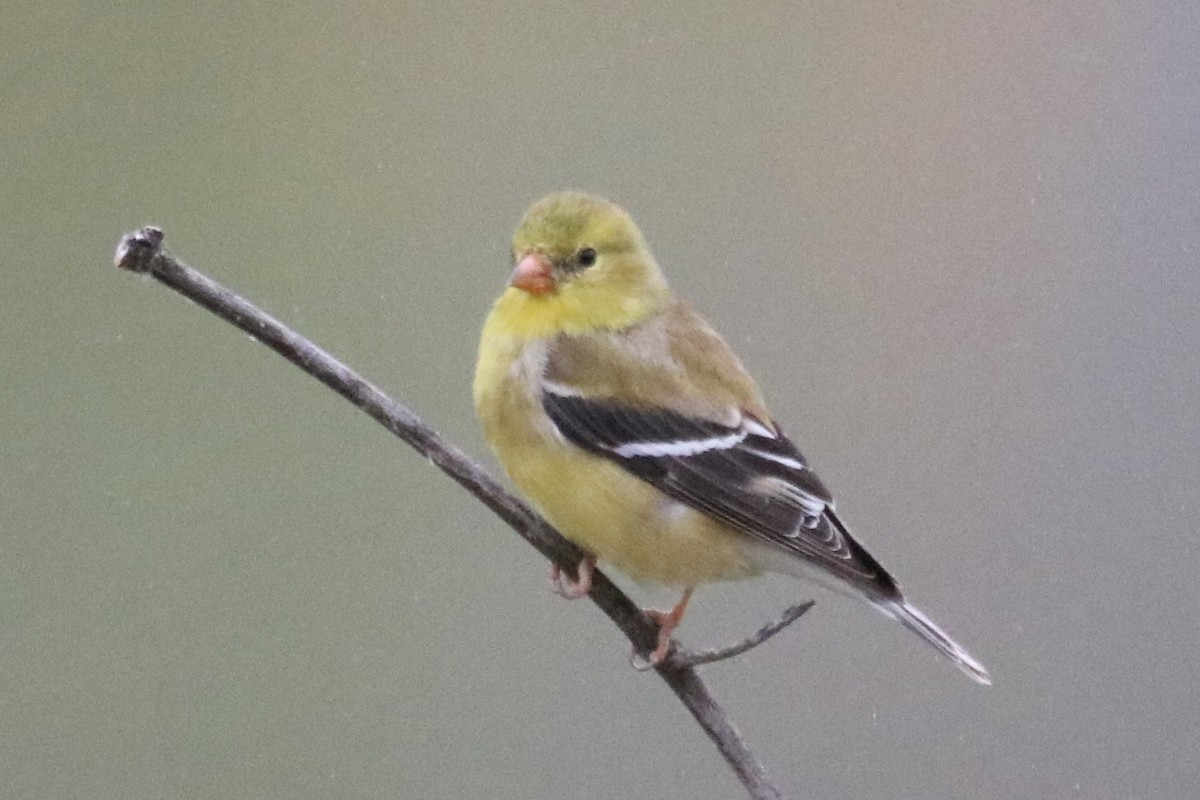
(733, 466)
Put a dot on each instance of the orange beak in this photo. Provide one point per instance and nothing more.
(533, 275)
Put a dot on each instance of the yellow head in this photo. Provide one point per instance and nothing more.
(581, 265)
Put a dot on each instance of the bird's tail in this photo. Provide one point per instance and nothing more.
(912, 618)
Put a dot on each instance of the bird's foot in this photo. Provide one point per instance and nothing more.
(572, 589)
(667, 622)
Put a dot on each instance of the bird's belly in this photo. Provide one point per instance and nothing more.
(629, 524)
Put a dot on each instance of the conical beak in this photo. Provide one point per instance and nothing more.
(533, 275)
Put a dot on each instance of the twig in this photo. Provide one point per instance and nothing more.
(693, 658)
(142, 252)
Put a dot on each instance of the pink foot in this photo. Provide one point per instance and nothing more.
(562, 584)
(667, 622)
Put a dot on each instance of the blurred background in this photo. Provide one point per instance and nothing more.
(957, 245)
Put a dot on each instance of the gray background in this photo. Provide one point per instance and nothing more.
(957, 243)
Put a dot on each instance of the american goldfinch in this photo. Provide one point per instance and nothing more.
(635, 430)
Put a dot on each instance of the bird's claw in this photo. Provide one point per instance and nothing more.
(572, 589)
(667, 622)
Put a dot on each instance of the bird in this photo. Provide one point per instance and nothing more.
(634, 429)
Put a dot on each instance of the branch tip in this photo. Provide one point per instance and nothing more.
(137, 250)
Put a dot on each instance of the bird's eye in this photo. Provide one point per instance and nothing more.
(587, 256)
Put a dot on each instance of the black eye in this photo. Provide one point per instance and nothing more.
(587, 256)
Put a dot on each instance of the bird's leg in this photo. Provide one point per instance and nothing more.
(562, 584)
(667, 621)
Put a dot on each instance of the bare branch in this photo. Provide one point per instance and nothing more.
(142, 252)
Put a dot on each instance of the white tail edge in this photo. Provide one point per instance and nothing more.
(912, 618)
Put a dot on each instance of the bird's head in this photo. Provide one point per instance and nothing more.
(581, 264)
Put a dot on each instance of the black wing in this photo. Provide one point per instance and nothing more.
(748, 476)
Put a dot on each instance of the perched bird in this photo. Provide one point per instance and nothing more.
(635, 430)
